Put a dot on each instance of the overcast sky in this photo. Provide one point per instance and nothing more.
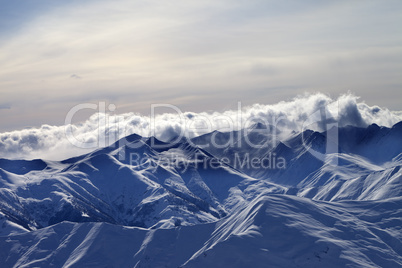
(198, 55)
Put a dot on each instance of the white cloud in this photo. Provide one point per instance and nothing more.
(50, 142)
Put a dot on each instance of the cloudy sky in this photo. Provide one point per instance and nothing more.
(198, 55)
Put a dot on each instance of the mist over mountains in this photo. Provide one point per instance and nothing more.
(102, 129)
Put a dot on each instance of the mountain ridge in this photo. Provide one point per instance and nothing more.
(152, 186)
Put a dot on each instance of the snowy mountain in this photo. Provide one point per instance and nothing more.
(248, 198)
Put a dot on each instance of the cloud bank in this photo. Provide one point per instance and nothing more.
(101, 129)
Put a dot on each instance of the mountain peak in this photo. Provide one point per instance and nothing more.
(258, 125)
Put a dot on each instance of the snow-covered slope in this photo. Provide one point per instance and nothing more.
(162, 188)
(285, 231)
(142, 202)
(271, 231)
